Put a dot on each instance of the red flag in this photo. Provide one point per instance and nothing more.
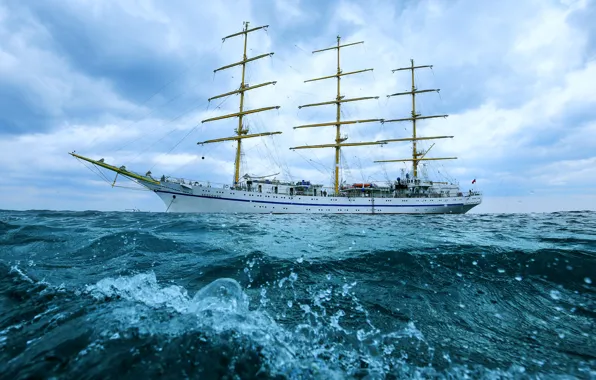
(474, 181)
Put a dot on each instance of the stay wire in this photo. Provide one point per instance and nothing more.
(166, 134)
(163, 105)
(189, 132)
(159, 90)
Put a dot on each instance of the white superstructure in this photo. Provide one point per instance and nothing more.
(263, 196)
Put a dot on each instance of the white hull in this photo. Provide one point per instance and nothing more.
(225, 200)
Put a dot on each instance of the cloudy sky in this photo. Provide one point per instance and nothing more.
(128, 81)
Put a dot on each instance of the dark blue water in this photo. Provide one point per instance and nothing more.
(91, 295)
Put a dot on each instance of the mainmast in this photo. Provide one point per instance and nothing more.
(242, 130)
(339, 139)
(417, 156)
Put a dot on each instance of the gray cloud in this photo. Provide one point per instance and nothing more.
(84, 76)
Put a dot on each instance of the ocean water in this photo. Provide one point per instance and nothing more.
(94, 295)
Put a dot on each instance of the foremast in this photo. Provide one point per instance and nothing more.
(417, 156)
(339, 139)
(242, 130)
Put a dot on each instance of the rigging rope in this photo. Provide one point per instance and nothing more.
(163, 105)
(102, 175)
(159, 90)
(185, 136)
(311, 162)
(178, 143)
(165, 135)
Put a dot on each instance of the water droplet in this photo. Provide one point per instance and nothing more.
(459, 274)
(224, 295)
(361, 335)
(518, 278)
(474, 262)
(555, 294)
(588, 280)
(290, 303)
(501, 270)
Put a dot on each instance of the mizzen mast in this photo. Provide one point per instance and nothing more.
(242, 130)
(417, 156)
(339, 139)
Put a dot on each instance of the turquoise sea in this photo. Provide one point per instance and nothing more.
(100, 295)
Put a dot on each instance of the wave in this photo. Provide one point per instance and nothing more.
(164, 322)
(106, 295)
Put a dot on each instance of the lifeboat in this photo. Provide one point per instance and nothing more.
(361, 185)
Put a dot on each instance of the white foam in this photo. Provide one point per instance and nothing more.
(311, 350)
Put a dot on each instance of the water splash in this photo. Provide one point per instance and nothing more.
(222, 295)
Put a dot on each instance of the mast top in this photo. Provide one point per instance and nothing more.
(245, 31)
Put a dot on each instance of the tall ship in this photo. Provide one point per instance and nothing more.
(411, 192)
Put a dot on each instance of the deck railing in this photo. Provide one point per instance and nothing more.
(379, 193)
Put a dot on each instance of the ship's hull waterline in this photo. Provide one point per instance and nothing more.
(214, 200)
